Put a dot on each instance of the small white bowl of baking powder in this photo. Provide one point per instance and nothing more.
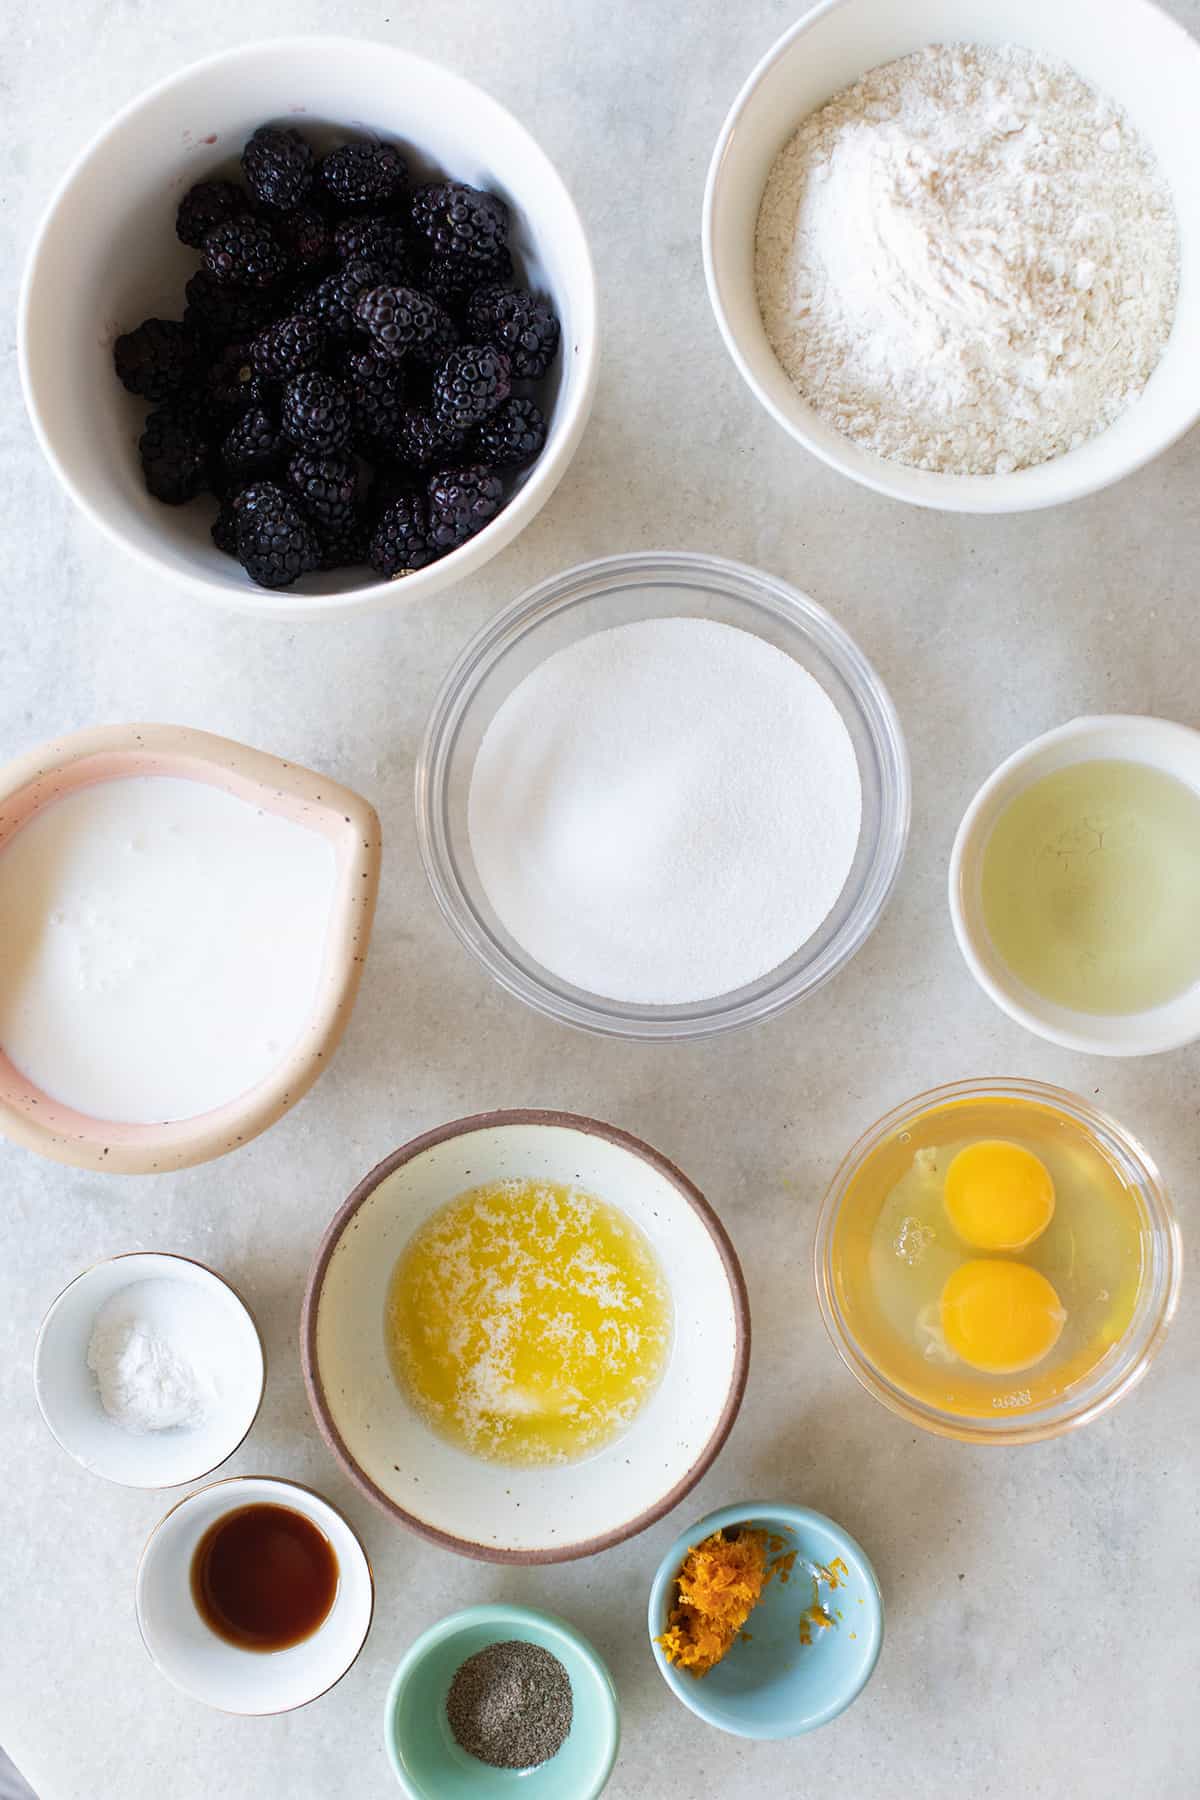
(149, 1370)
(935, 289)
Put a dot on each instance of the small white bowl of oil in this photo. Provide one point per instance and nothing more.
(1075, 885)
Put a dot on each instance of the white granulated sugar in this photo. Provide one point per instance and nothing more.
(968, 261)
(665, 811)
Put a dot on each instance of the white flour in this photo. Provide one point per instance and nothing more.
(967, 262)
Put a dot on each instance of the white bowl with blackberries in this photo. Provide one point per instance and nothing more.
(310, 328)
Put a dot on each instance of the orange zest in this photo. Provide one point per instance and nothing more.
(719, 1585)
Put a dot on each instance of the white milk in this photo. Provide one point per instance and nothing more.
(161, 944)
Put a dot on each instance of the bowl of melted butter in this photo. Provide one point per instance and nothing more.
(525, 1336)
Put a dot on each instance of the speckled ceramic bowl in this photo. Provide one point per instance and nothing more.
(492, 1510)
(31, 1117)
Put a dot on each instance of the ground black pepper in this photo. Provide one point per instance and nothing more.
(510, 1705)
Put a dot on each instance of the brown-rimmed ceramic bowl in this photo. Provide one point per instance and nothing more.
(223, 1675)
(491, 1510)
(31, 1117)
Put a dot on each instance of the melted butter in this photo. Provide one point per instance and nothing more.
(528, 1322)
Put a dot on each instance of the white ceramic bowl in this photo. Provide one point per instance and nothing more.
(492, 1510)
(1127, 48)
(69, 1398)
(1173, 748)
(106, 257)
(220, 1674)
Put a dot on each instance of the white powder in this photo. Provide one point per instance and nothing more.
(968, 261)
(157, 1352)
(665, 811)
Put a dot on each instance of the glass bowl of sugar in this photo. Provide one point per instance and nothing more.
(662, 795)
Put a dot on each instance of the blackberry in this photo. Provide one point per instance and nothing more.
(472, 382)
(401, 541)
(278, 166)
(511, 437)
(218, 310)
(231, 384)
(362, 175)
(244, 251)
(391, 481)
(251, 446)
(316, 413)
(332, 301)
(323, 487)
(461, 502)
(375, 239)
(293, 344)
(397, 319)
(419, 441)
(224, 530)
(157, 359)
(204, 207)
(521, 324)
(307, 236)
(257, 493)
(457, 220)
(441, 341)
(453, 279)
(345, 545)
(174, 456)
(275, 544)
(376, 386)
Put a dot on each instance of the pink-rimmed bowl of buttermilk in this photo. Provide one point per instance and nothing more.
(184, 922)
(833, 46)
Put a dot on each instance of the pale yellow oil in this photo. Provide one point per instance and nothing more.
(1091, 886)
(528, 1322)
(894, 1249)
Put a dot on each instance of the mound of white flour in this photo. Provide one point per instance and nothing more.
(968, 261)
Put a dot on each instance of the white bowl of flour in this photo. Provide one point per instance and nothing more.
(954, 248)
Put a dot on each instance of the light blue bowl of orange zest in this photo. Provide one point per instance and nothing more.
(430, 1764)
(772, 1683)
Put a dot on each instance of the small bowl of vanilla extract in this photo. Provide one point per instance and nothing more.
(254, 1595)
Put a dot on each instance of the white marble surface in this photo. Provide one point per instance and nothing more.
(1043, 1604)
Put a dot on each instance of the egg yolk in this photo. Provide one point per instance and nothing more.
(1000, 1316)
(998, 1196)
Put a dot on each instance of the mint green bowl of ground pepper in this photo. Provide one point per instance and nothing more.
(426, 1755)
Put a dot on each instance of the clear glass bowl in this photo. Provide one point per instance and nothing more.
(1119, 1370)
(618, 590)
